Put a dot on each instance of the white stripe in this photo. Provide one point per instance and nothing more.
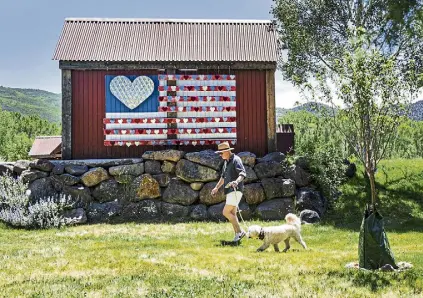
(136, 115)
(206, 114)
(206, 136)
(136, 137)
(201, 83)
(202, 103)
(201, 93)
(179, 125)
(136, 125)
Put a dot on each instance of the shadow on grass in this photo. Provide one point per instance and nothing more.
(400, 203)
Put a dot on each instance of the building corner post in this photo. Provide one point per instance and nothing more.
(271, 111)
(66, 114)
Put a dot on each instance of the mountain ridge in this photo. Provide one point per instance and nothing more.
(47, 105)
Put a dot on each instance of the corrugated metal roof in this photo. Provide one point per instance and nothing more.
(167, 40)
(47, 146)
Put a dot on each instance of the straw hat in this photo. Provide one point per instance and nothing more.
(222, 147)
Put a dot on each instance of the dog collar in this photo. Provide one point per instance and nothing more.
(261, 234)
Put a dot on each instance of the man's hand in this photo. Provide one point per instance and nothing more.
(214, 191)
(234, 184)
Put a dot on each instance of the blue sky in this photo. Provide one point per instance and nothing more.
(29, 30)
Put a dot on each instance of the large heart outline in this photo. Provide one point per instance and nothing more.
(132, 94)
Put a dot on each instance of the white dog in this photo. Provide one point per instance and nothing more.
(274, 235)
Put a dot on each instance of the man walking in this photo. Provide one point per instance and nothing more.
(233, 174)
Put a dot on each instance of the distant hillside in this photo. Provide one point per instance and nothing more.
(312, 107)
(45, 104)
(416, 110)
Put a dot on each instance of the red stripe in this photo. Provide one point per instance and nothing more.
(170, 120)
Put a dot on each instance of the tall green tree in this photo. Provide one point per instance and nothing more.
(365, 54)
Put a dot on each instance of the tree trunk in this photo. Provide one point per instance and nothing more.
(371, 175)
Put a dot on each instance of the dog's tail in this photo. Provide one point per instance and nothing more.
(292, 219)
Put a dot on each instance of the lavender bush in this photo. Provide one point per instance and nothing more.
(16, 208)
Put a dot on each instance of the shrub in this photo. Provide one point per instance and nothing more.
(18, 210)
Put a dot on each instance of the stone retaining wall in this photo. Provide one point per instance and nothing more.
(170, 185)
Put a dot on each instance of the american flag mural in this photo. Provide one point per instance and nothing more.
(170, 110)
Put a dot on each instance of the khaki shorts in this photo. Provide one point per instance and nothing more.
(233, 199)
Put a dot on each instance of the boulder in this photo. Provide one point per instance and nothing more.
(251, 175)
(215, 212)
(28, 176)
(179, 193)
(254, 193)
(6, 168)
(302, 162)
(296, 173)
(124, 179)
(106, 191)
(309, 216)
(272, 157)
(174, 212)
(278, 187)
(153, 167)
(206, 158)
(95, 163)
(42, 188)
(133, 170)
(162, 179)
(246, 212)
(77, 196)
(169, 155)
(68, 179)
(20, 166)
(168, 167)
(94, 176)
(311, 199)
(192, 172)
(196, 185)
(58, 169)
(206, 196)
(143, 211)
(97, 213)
(76, 170)
(275, 209)
(75, 216)
(269, 169)
(248, 158)
(199, 212)
(146, 187)
(42, 165)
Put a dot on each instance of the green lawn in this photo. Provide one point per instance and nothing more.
(184, 260)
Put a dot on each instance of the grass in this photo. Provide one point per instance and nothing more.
(184, 260)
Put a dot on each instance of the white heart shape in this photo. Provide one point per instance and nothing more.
(145, 120)
(124, 132)
(189, 131)
(217, 119)
(220, 130)
(194, 143)
(132, 94)
(165, 131)
(148, 131)
(212, 109)
(153, 120)
(205, 88)
(156, 131)
(137, 143)
(178, 120)
(181, 109)
(128, 144)
(120, 121)
(186, 120)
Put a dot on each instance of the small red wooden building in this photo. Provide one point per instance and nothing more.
(133, 85)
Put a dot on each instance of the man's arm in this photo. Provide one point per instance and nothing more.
(218, 185)
(241, 173)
